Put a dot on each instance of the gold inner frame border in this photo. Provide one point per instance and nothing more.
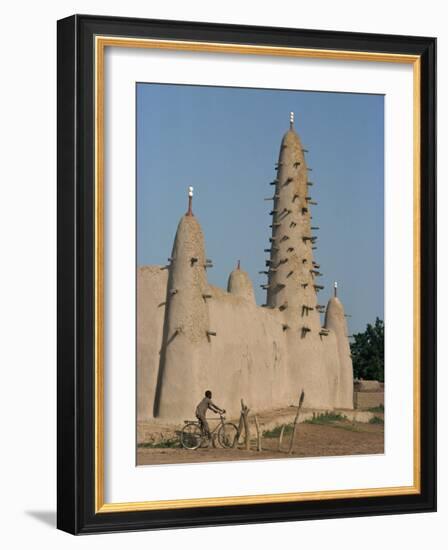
(100, 44)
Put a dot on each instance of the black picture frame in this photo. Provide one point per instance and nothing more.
(76, 285)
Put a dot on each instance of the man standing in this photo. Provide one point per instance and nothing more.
(201, 411)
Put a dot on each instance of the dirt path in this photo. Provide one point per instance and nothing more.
(312, 440)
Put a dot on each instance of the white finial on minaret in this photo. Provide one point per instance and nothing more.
(291, 119)
(190, 201)
(335, 289)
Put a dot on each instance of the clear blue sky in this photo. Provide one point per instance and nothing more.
(225, 142)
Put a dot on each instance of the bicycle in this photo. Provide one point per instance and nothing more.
(192, 436)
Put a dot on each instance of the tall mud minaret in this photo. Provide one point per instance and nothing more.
(292, 273)
(186, 327)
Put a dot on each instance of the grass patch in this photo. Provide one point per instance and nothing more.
(275, 432)
(326, 418)
(376, 420)
(173, 443)
(379, 409)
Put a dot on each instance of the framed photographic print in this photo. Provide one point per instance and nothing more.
(246, 274)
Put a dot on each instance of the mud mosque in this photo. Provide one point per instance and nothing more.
(193, 336)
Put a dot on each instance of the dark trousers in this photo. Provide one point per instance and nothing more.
(204, 425)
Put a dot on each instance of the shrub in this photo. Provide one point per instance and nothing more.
(170, 443)
(326, 418)
(275, 432)
(367, 351)
(379, 409)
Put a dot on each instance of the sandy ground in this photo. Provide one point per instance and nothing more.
(312, 440)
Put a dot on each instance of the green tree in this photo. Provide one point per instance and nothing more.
(368, 352)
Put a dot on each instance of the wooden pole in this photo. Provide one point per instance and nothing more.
(258, 434)
(291, 443)
(240, 427)
(280, 439)
(245, 412)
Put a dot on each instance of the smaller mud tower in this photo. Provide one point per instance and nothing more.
(335, 321)
(239, 284)
(186, 320)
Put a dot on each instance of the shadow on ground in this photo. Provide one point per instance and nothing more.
(48, 517)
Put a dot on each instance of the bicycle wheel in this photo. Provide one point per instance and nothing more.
(191, 436)
(227, 434)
